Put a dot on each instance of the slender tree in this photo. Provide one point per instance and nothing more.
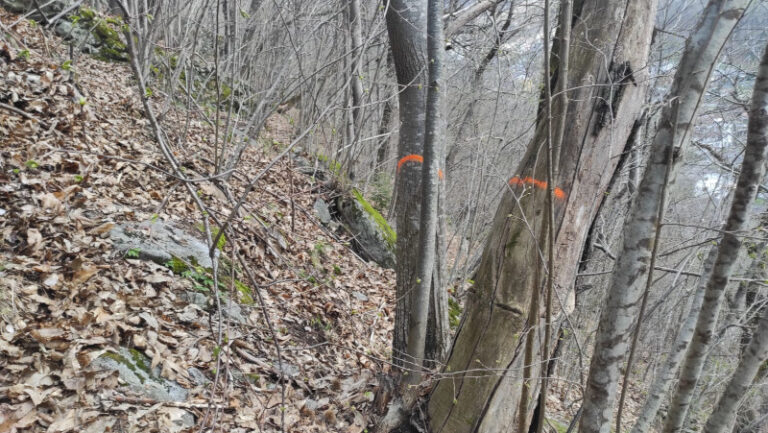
(746, 190)
(678, 117)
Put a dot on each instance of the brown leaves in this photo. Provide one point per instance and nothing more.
(70, 174)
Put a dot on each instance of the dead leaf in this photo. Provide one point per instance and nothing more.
(102, 229)
(46, 335)
(85, 272)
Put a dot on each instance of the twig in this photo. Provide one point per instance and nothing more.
(23, 114)
(179, 404)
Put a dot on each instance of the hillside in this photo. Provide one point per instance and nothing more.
(79, 161)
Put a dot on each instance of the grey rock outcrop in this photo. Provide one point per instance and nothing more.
(133, 369)
(160, 242)
(372, 236)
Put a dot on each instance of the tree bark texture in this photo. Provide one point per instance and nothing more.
(406, 26)
(666, 375)
(746, 190)
(480, 388)
(620, 312)
(417, 331)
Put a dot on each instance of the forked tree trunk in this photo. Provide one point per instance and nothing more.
(628, 283)
(746, 190)
(480, 388)
(406, 26)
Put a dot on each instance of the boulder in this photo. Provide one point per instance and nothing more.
(323, 211)
(136, 375)
(372, 236)
(159, 242)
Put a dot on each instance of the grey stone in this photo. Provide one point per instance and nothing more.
(197, 376)
(359, 296)
(160, 242)
(233, 311)
(290, 371)
(133, 369)
(368, 237)
(195, 298)
(64, 29)
(323, 212)
(178, 419)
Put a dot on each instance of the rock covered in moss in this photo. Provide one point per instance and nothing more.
(372, 235)
(160, 242)
(135, 372)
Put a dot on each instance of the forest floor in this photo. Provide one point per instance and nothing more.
(78, 158)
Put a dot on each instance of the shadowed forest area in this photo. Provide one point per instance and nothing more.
(434, 216)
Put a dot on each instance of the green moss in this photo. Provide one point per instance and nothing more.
(215, 232)
(139, 360)
(122, 360)
(246, 296)
(389, 234)
(87, 14)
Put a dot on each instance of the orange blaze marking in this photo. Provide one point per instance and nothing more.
(559, 193)
(416, 158)
(412, 157)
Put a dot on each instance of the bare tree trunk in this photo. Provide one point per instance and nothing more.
(466, 15)
(620, 312)
(754, 356)
(406, 25)
(664, 378)
(480, 392)
(417, 331)
(746, 190)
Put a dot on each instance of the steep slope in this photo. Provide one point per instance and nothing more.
(77, 160)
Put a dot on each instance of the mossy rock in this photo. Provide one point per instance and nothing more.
(372, 236)
(134, 369)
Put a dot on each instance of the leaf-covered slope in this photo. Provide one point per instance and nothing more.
(76, 159)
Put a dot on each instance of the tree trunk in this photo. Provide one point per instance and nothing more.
(480, 388)
(746, 191)
(664, 378)
(620, 312)
(406, 25)
(417, 331)
(754, 356)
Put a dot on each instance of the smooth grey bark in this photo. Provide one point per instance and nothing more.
(756, 353)
(406, 25)
(417, 331)
(356, 36)
(746, 190)
(479, 390)
(666, 375)
(620, 312)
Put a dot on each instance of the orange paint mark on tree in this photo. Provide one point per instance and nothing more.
(559, 193)
(416, 158)
(407, 158)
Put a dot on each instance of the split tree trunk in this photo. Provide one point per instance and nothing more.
(480, 388)
(406, 26)
(628, 283)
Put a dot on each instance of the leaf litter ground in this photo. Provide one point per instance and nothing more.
(78, 158)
